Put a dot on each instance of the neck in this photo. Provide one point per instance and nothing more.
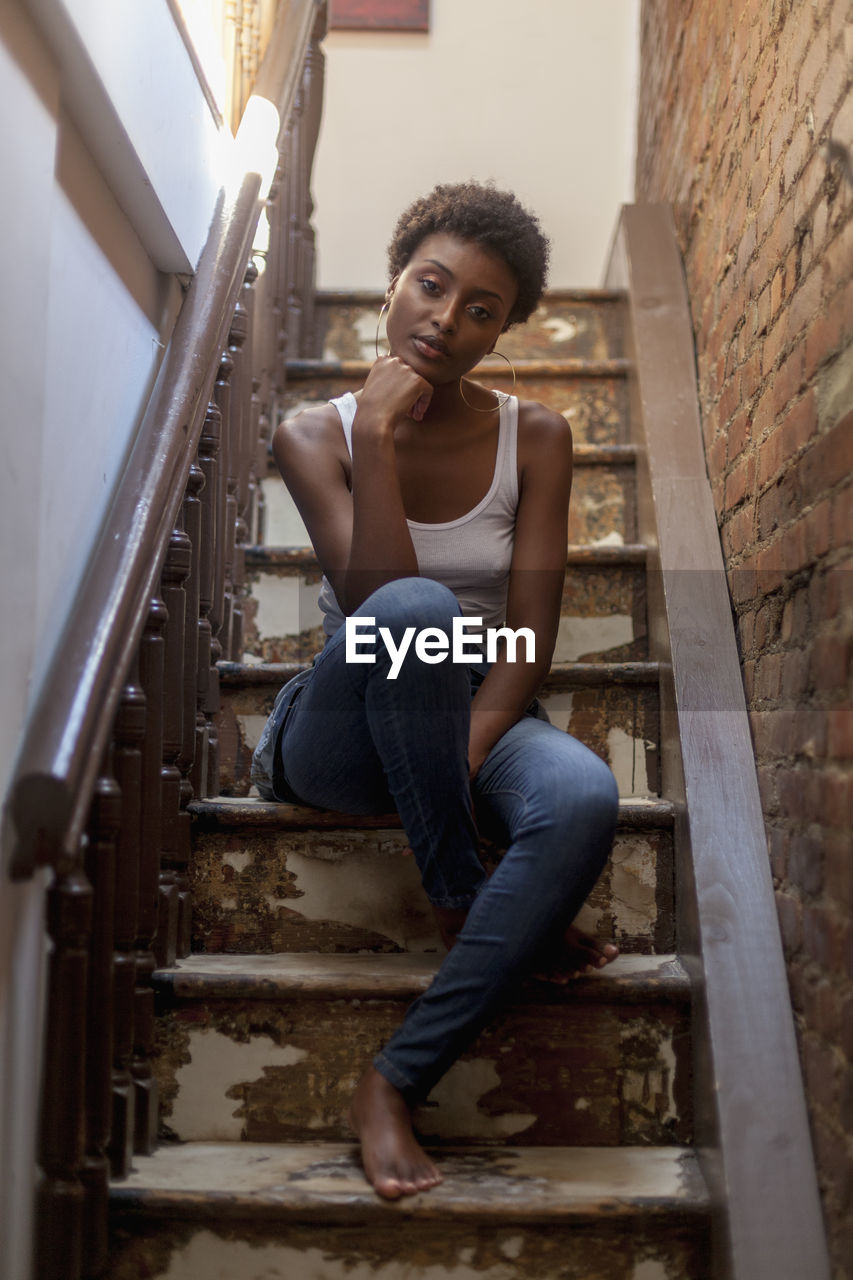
(447, 401)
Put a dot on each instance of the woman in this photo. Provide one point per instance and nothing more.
(428, 496)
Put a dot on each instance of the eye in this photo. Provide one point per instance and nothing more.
(480, 313)
(430, 285)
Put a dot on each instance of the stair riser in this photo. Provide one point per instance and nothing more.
(404, 1250)
(585, 1074)
(560, 329)
(602, 508)
(621, 724)
(596, 407)
(602, 614)
(266, 892)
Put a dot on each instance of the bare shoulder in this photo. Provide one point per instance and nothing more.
(543, 433)
(312, 439)
(319, 424)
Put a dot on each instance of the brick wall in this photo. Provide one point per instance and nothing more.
(746, 129)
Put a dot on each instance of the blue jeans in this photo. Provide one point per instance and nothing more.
(359, 742)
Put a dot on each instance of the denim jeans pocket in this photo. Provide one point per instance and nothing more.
(267, 773)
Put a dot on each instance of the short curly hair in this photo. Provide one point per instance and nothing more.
(493, 219)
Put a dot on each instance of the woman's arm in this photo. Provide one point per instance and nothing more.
(536, 576)
(360, 534)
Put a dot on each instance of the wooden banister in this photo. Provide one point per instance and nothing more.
(66, 734)
(123, 734)
(752, 1127)
(69, 726)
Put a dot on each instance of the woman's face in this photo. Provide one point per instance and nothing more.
(448, 306)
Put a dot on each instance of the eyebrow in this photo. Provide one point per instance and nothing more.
(435, 262)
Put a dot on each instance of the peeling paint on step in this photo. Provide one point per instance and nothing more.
(251, 727)
(561, 329)
(579, 636)
(203, 1107)
(284, 525)
(651, 1269)
(628, 762)
(239, 859)
(285, 605)
(652, 1089)
(383, 895)
(633, 886)
(559, 709)
(208, 1255)
(453, 1105)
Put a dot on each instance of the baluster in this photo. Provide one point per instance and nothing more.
(100, 864)
(129, 735)
(206, 760)
(294, 251)
(236, 431)
(192, 527)
(315, 70)
(247, 429)
(277, 264)
(176, 833)
(60, 1197)
(151, 661)
(221, 613)
(257, 498)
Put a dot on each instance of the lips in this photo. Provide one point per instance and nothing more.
(431, 347)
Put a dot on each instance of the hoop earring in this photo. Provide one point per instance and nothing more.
(506, 394)
(382, 311)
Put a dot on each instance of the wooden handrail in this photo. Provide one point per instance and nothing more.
(68, 729)
(752, 1126)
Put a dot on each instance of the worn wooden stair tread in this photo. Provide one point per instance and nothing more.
(323, 1182)
(568, 367)
(578, 555)
(566, 675)
(630, 979)
(636, 813)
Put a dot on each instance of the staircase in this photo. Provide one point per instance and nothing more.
(564, 1133)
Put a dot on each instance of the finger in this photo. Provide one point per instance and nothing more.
(421, 405)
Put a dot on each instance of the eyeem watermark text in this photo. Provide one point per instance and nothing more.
(434, 645)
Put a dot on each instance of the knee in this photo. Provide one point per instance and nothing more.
(412, 602)
(580, 794)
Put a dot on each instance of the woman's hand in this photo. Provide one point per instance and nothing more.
(393, 391)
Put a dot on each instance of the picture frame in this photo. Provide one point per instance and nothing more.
(379, 15)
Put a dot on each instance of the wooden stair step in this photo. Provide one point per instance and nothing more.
(578, 555)
(323, 1182)
(265, 1048)
(603, 607)
(603, 507)
(246, 1211)
(630, 979)
(591, 394)
(285, 878)
(612, 707)
(636, 814)
(563, 675)
(567, 322)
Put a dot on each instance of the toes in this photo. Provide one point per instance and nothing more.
(387, 1188)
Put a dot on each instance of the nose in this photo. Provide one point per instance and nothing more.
(444, 318)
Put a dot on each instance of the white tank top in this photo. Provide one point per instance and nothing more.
(470, 555)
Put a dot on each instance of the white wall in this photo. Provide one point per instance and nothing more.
(540, 96)
(111, 162)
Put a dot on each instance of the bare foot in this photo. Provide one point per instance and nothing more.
(577, 953)
(394, 1162)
